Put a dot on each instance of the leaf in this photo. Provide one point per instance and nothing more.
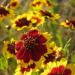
(12, 63)
(3, 63)
(73, 58)
(35, 73)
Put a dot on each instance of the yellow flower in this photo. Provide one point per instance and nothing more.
(36, 5)
(72, 68)
(22, 21)
(68, 24)
(39, 4)
(13, 4)
(20, 71)
(9, 49)
(50, 15)
(4, 12)
(28, 20)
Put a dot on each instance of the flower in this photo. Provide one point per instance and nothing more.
(3, 12)
(46, 13)
(26, 21)
(56, 68)
(13, 4)
(32, 47)
(61, 70)
(9, 49)
(37, 20)
(21, 22)
(68, 23)
(20, 71)
(39, 4)
(50, 15)
(55, 55)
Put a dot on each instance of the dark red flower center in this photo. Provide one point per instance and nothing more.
(22, 22)
(48, 3)
(13, 4)
(37, 3)
(11, 48)
(3, 11)
(46, 13)
(50, 57)
(31, 66)
(30, 42)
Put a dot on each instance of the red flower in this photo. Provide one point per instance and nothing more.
(61, 70)
(31, 47)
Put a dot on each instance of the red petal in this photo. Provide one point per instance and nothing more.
(61, 69)
(42, 39)
(33, 32)
(35, 55)
(23, 36)
(19, 45)
(38, 52)
(67, 72)
(26, 56)
(19, 53)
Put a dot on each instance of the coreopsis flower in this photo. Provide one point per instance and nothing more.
(28, 20)
(32, 47)
(69, 69)
(22, 22)
(36, 5)
(20, 71)
(68, 23)
(3, 12)
(13, 4)
(56, 68)
(37, 20)
(61, 70)
(9, 49)
(39, 4)
(50, 15)
(55, 55)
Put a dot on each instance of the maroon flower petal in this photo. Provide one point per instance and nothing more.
(33, 32)
(19, 53)
(42, 49)
(35, 55)
(61, 69)
(38, 52)
(19, 45)
(67, 72)
(23, 37)
(26, 57)
(42, 39)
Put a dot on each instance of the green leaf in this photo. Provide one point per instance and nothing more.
(3, 63)
(35, 73)
(73, 58)
(12, 63)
